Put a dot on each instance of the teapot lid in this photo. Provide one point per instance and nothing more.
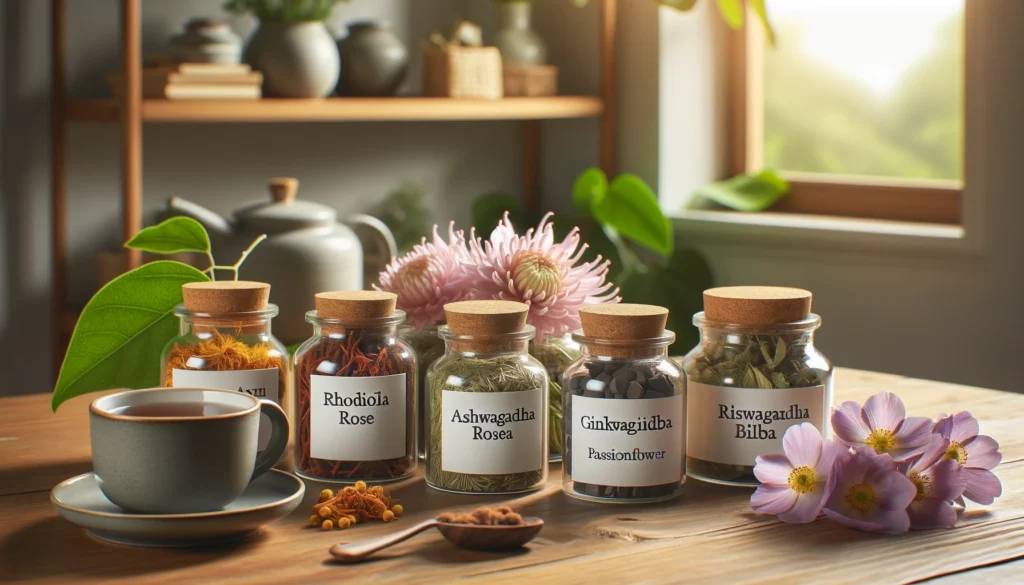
(284, 212)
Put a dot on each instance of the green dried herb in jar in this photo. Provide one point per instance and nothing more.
(488, 403)
(755, 373)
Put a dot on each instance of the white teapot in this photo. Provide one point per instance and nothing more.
(306, 251)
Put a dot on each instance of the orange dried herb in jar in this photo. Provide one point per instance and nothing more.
(225, 342)
(355, 391)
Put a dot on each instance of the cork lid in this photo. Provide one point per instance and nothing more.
(226, 296)
(486, 317)
(624, 321)
(757, 305)
(355, 305)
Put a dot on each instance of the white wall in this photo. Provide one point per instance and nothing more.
(226, 165)
(934, 309)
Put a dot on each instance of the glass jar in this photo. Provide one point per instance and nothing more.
(754, 373)
(487, 402)
(428, 347)
(556, 353)
(224, 341)
(624, 403)
(355, 392)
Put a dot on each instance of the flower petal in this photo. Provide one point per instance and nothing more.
(802, 444)
(772, 499)
(829, 451)
(848, 424)
(888, 521)
(964, 426)
(913, 437)
(982, 485)
(948, 480)
(884, 410)
(982, 452)
(936, 448)
(931, 513)
(807, 506)
(893, 490)
(773, 468)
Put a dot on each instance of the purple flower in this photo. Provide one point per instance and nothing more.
(975, 454)
(793, 485)
(939, 481)
(867, 492)
(882, 424)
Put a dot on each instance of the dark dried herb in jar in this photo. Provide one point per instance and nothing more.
(356, 389)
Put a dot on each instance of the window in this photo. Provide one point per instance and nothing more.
(860, 105)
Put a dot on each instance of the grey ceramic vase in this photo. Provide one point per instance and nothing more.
(374, 61)
(518, 43)
(298, 60)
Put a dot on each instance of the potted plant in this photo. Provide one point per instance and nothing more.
(292, 46)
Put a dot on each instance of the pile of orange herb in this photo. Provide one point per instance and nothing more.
(502, 515)
(354, 504)
(223, 353)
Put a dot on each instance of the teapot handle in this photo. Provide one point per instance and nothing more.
(377, 241)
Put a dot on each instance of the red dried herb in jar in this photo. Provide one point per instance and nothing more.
(355, 391)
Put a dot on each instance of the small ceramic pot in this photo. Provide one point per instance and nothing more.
(206, 41)
(374, 61)
(519, 44)
(298, 60)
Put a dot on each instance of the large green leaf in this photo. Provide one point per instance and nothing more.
(177, 234)
(746, 192)
(122, 331)
(631, 208)
(679, 286)
(762, 15)
(732, 12)
(590, 187)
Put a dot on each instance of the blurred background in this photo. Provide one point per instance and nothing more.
(897, 123)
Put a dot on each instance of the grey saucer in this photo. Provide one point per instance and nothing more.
(271, 497)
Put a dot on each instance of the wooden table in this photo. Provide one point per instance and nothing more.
(709, 535)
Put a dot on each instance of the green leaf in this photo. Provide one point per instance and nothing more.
(490, 208)
(732, 12)
(590, 187)
(746, 192)
(122, 331)
(762, 15)
(631, 208)
(178, 234)
(680, 5)
(678, 285)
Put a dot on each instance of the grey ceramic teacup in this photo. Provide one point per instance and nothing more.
(181, 450)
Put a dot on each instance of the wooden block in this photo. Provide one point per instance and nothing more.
(463, 72)
(535, 81)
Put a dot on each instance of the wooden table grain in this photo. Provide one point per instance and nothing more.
(708, 535)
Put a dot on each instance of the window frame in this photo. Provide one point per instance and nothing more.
(906, 200)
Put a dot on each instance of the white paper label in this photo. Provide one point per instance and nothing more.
(735, 425)
(259, 383)
(486, 433)
(357, 418)
(628, 443)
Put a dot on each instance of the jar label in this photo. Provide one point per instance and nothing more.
(735, 425)
(261, 383)
(488, 433)
(358, 418)
(628, 443)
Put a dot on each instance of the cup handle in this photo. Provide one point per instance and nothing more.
(279, 430)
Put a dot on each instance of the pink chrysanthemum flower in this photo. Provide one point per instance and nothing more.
(793, 485)
(882, 424)
(428, 277)
(976, 454)
(939, 481)
(868, 493)
(536, 270)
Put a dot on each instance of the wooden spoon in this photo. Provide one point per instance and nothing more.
(469, 536)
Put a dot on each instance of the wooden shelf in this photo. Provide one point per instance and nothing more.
(343, 109)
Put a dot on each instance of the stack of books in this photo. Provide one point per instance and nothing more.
(196, 81)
